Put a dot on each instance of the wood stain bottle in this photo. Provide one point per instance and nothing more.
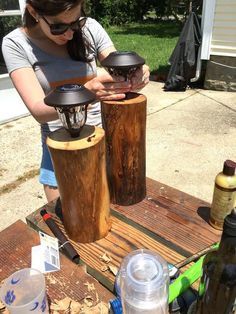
(217, 289)
(224, 196)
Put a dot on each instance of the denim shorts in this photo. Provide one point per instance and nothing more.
(46, 174)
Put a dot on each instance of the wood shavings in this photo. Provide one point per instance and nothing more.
(69, 306)
(3, 309)
(75, 307)
(97, 297)
(113, 269)
(2, 306)
(54, 307)
(66, 305)
(90, 286)
(100, 308)
(54, 281)
(104, 268)
(105, 258)
(88, 301)
(61, 305)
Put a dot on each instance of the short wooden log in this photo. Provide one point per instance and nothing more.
(124, 122)
(80, 170)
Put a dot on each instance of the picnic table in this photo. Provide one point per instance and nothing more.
(168, 221)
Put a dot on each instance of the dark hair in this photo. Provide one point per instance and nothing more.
(77, 47)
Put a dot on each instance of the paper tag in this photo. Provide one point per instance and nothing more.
(45, 257)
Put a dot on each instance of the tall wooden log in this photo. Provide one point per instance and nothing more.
(80, 170)
(124, 122)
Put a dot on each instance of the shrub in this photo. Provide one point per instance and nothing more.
(117, 12)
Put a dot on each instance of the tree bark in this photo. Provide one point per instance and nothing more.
(124, 122)
(80, 170)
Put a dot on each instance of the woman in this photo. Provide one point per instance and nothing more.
(58, 45)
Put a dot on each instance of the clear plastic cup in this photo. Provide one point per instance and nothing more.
(144, 283)
(25, 292)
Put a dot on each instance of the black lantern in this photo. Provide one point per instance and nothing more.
(71, 102)
(122, 63)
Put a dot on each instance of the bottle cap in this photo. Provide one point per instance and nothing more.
(229, 167)
(116, 306)
(229, 227)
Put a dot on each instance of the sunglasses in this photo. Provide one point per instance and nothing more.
(61, 28)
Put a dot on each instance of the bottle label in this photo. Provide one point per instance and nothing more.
(222, 204)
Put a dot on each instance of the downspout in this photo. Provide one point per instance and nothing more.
(198, 67)
(208, 12)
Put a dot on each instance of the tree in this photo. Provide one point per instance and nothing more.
(117, 12)
(9, 4)
(8, 23)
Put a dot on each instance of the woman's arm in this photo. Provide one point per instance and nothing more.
(104, 53)
(105, 86)
(32, 94)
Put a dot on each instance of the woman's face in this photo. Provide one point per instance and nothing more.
(66, 17)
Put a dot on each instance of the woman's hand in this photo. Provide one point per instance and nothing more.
(140, 78)
(107, 87)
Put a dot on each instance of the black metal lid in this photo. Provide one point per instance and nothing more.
(69, 95)
(229, 226)
(229, 167)
(122, 59)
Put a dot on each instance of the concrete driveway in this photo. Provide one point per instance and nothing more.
(189, 136)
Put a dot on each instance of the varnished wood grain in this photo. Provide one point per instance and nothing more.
(175, 218)
(121, 240)
(167, 221)
(124, 122)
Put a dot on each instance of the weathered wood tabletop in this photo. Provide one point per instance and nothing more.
(169, 222)
(71, 281)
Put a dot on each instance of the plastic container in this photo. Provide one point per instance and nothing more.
(144, 283)
(224, 196)
(24, 292)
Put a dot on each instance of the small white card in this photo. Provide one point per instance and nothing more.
(45, 257)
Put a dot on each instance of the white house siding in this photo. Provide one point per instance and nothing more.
(223, 42)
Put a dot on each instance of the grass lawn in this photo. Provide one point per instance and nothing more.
(154, 41)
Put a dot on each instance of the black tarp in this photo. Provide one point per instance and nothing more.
(184, 56)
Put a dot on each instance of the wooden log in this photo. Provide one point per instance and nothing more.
(124, 122)
(80, 170)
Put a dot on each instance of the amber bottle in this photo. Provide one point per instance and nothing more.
(224, 196)
(217, 288)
